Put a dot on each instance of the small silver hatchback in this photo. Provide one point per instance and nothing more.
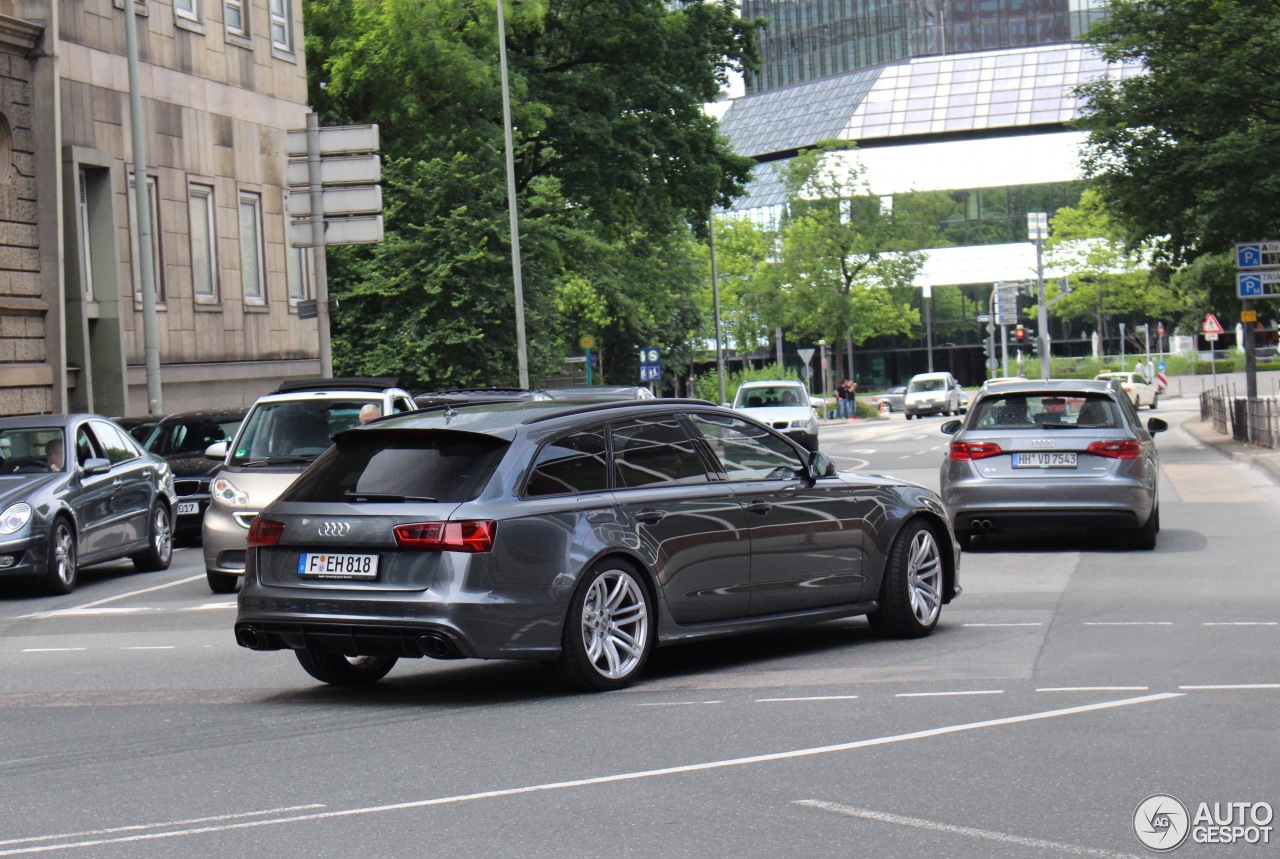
(1053, 454)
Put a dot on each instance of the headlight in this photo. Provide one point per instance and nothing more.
(14, 517)
(225, 491)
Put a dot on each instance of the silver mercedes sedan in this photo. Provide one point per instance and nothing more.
(1055, 454)
(583, 534)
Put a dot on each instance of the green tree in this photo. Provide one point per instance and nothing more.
(1106, 278)
(1186, 153)
(848, 259)
(614, 161)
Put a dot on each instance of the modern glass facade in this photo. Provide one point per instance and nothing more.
(811, 39)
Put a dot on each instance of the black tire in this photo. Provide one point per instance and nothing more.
(159, 541)
(1144, 538)
(338, 670)
(222, 583)
(908, 415)
(61, 572)
(609, 629)
(911, 588)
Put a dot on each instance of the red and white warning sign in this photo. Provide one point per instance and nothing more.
(1211, 325)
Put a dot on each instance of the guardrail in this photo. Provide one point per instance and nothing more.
(1255, 421)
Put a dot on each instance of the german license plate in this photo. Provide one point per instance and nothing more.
(332, 565)
(1045, 459)
(188, 508)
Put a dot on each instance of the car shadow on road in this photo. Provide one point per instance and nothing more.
(1082, 540)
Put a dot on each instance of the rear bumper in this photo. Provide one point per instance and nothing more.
(1014, 505)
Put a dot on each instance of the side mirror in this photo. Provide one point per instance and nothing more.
(217, 450)
(96, 465)
(1155, 425)
(821, 465)
(953, 427)
(818, 403)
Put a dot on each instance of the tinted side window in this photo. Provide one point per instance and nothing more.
(652, 451)
(86, 447)
(118, 446)
(574, 463)
(746, 451)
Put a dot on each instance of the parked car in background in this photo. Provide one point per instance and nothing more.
(1061, 453)
(931, 394)
(583, 535)
(890, 400)
(182, 438)
(1142, 392)
(598, 393)
(77, 490)
(783, 405)
(138, 427)
(281, 435)
(458, 396)
(963, 398)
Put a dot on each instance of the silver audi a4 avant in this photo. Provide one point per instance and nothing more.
(584, 534)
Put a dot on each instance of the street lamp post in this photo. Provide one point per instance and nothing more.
(928, 323)
(822, 366)
(522, 351)
(715, 299)
(1038, 231)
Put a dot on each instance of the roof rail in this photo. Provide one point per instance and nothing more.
(348, 383)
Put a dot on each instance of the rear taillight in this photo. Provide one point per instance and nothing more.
(1127, 449)
(474, 535)
(264, 532)
(967, 451)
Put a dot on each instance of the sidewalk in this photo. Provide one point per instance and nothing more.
(1264, 459)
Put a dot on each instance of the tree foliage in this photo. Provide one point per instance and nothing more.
(616, 167)
(1186, 153)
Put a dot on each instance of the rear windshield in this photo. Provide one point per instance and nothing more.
(294, 429)
(436, 466)
(191, 435)
(1047, 410)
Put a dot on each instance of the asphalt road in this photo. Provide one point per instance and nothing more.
(1072, 679)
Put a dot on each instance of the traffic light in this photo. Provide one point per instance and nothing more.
(1020, 334)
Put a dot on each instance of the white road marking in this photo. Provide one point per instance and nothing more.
(675, 703)
(151, 647)
(1130, 623)
(947, 694)
(136, 827)
(1231, 686)
(90, 612)
(1093, 689)
(607, 779)
(1244, 623)
(1002, 624)
(810, 698)
(52, 649)
(985, 834)
(106, 600)
(209, 606)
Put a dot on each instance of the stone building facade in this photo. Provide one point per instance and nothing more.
(220, 81)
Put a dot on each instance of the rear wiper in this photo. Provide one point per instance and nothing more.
(279, 460)
(385, 496)
(1065, 427)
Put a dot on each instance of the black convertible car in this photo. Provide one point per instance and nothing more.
(77, 490)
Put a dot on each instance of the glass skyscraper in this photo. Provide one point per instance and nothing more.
(810, 39)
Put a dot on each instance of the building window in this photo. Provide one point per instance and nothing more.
(83, 234)
(252, 271)
(189, 9)
(236, 17)
(281, 25)
(135, 230)
(204, 244)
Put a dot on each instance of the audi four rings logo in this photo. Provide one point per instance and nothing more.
(1042, 443)
(333, 529)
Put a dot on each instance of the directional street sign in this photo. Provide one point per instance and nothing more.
(339, 231)
(1211, 325)
(339, 200)
(1250, 255)
(345, 170)
(1258, 284)
(335, 140)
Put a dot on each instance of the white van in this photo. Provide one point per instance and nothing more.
(932, 394)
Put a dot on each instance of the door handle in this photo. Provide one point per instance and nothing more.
(650, 515)
(760, 507)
